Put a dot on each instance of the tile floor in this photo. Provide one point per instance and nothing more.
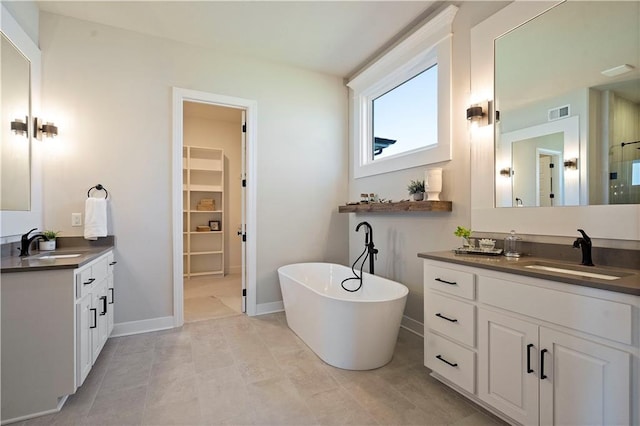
(239, 370)
(212, 297)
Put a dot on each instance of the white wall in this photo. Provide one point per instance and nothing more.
(111, 92)
(225, 135)
(401, 236)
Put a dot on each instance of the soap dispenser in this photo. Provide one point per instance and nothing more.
(511, 245)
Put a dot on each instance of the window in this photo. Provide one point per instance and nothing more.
(401, 103)
(406, 117)
(635, 172)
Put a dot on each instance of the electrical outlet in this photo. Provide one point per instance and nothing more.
(76, 219)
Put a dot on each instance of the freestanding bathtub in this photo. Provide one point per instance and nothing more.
(354, 331)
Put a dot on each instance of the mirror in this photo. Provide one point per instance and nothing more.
(567, 88)
(15, 147)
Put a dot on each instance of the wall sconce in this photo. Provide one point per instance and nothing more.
(506, 172)
(479, 113)
(48, 129)
(20, 127)
(571, 164)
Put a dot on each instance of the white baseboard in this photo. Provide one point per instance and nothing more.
(412, 325)
(142, 326)
(269, 308)
(61, 402)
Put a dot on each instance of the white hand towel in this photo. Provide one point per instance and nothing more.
(95, 218)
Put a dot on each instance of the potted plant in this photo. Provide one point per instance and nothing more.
(465, 234)
(50, 243)
(416, 188)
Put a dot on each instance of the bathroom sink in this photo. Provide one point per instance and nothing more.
(58, 256)
(578, 270)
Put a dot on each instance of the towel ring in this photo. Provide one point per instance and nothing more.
(99, 187)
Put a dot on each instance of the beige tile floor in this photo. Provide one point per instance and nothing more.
(239, 370)
(212, 297)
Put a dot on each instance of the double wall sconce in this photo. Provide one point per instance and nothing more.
(21, 128)
(571, 164)
(479, 113)
(506, 172)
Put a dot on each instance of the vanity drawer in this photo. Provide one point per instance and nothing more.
(93, 273)
(450, 281)
(451, 361)
(453, 318)
(605, 318)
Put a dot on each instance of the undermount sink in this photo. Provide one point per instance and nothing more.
(58, 256)
(577, 270)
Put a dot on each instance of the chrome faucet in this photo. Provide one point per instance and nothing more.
(368, 242)
(584, 243)
(26, 240)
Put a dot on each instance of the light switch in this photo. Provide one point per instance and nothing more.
(76, 219)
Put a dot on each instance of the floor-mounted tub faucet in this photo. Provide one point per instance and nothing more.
(368, 242)
(584, 243)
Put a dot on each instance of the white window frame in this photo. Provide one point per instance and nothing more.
(427, 46)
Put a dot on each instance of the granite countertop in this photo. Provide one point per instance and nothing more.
(88, 251)
(629, 281)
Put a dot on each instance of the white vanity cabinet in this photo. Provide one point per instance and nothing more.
(52, 332)
(547, 353)
(93, 311)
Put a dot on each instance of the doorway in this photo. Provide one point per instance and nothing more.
(213, 169)
(213, 205)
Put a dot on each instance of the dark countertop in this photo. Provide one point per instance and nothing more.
(629, 283)
(35, 263)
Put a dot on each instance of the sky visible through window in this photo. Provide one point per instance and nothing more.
(408, 114)
(635, 173)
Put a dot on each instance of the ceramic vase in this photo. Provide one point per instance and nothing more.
(433, 183)
(47, 245)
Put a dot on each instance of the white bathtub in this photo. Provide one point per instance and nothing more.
(354, 331)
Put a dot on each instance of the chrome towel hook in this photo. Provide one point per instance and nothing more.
(99, 187)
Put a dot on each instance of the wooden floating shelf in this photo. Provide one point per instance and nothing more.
(401, 206)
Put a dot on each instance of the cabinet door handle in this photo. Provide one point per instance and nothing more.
(95, 318)
(112, 293)
(89, 281)
(529, 369)
(104, 305)
(453, 364)
(439, 315)
(112, 263)
(446, 282)
(542, 375)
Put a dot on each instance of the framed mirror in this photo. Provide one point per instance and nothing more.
(620, 222)
(567, 88)
(15, 148)
(21, 161)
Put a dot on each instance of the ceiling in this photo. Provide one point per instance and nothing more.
(332, 37)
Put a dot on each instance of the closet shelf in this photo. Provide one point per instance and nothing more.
(398, 207)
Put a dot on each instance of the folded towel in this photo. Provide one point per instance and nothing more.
(95, 218)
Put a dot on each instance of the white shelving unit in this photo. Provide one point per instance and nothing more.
(203, 178)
